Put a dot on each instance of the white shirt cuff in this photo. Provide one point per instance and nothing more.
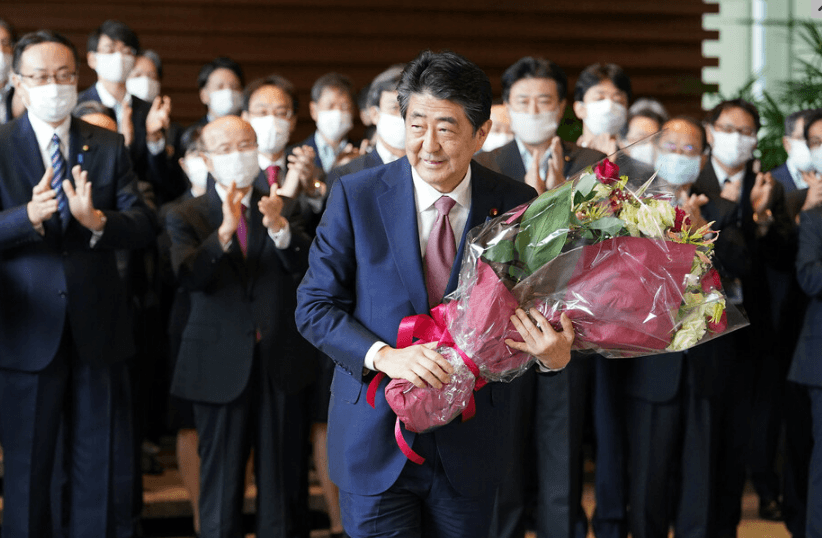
(541, 368)
(95, 237)
(372, 352)
(282, 237)
(156, 148)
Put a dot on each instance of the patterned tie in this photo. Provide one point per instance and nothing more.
(58, 164)
(440, 252)
(272, 173)
(242, 230)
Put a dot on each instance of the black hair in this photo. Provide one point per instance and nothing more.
(451, 77)
(596, 73)
(695, 123)
(813, 116)
(115, 30)
(154, 58)
(387, 81)
(530, 67)
(219, 63)
(717, 111)
(642, 113)
(792, 118)
(190, 139)
(333, 80)
(271, 80)
(36, 38)
(10, 29)
(86, 108)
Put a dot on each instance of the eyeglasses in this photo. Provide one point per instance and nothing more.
(670, 147)
(226, 149)
(731, 129)
(41, 79)
(814, 142)
(281, 113)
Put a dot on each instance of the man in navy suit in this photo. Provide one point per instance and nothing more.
(797, 173)
(64, 321)
(366, 273)
(332, 108)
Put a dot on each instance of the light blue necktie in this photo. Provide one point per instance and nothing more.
(58, 164)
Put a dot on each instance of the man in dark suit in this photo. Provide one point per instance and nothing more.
(240, 356)
(65, 325)
(756, 236)
(366, 273)
(332, 108)
(533, 90)
(384, 111)
(797, 173)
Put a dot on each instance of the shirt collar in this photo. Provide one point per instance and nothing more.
(322, 144)
(426, 195)
(109, 100)
(45, 132)
(721, 175)
(385, 155)
(221, 192)
(265, 162)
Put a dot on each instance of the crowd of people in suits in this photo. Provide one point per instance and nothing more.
(150, 275)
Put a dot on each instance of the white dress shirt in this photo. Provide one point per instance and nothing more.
(385, 155)
(327, 152)
(527, 158)
(155, 148)
(721, 175)
(281, 238)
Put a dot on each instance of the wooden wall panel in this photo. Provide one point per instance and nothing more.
(658, 43)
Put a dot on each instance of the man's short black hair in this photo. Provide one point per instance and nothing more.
(219, 63)
(596, 73)
(387, 81)
(451, 77)
(530, 67)
(336, 81)
(115, 30)
(271, 80)
(703, 138)
(642, 113)
(154, 58)
(86, 108)
(717, 111)
(814, 115)
(36, 38)
(793, 117)
(190, 140)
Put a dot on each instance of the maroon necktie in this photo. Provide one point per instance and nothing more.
(242, 230)
(272, 174)
(440, 252)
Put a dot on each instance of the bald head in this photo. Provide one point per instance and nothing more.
(228, 134)
(683, 134)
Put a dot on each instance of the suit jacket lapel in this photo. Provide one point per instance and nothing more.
(510, 159)
(29, 160)
(399, 217)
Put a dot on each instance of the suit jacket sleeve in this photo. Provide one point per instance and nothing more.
(809, 257)
(195, 261)
(326, 297)
(15, 227)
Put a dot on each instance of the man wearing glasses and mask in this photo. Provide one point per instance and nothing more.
(68, 199)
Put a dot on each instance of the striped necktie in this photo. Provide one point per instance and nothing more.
(58, 165)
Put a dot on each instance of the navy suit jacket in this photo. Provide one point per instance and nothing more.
(807, 366)
(507, 159)
(365, 275)
(235, 300)
(47, 281)
(310, 141)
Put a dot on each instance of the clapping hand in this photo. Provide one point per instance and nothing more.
(814, 196)
(271, 207)
(693, 207)
(80, 200)
(158, 119)
(43, 202)
(232, 213)
(761, 193)
(126, 127)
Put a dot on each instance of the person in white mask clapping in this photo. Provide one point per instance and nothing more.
(601, 97)
(220, 83)
(533, 90)
(332, 108)
(798, 172)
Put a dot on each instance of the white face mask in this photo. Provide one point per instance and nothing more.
(224, 102)
(732, 149)
(533, 128)
(197, 171)
(272, 133)
(52, 102)
(677, 168)
(816, 158)
(115, 66)
(496, 140)
(800, 155)
(391, 130)
(605, 116)
(5, 66)
(642, 152)
(334, 124)
(144, 88)
(239, 167)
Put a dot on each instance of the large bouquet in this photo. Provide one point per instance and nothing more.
(624, 264)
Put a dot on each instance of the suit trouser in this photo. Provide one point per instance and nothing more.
(558, 422)
(670, 444)
(813, 523)
(766, 424)
(259, 417)
(798, 449)
(33, 406)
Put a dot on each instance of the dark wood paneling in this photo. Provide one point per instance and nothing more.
(658, 43)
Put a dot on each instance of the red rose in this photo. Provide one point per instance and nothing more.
(681, 219)
(711, 281)
(607, 172)
(719, 326)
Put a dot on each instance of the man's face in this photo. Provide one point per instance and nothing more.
(815, 135)
(6, 44)
(107, 45)
(270, 101)
(733, 120)
(143, 67)
(535, 96)
(500, 121)
(220, 79)
(331, 99)
(227, 135)
(640, 127)
(680, 136)
(44, 63)
(388, 105)
(797, 134)
(440, 140)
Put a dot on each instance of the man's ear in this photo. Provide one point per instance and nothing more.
(482, 134)
(374, 114)
(204, 96)
(580, 110)
(312, 110)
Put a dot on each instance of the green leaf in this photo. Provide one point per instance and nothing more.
(517, 273)
(502, 252)
(544, 227)
(586, 184)
(608, 225)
